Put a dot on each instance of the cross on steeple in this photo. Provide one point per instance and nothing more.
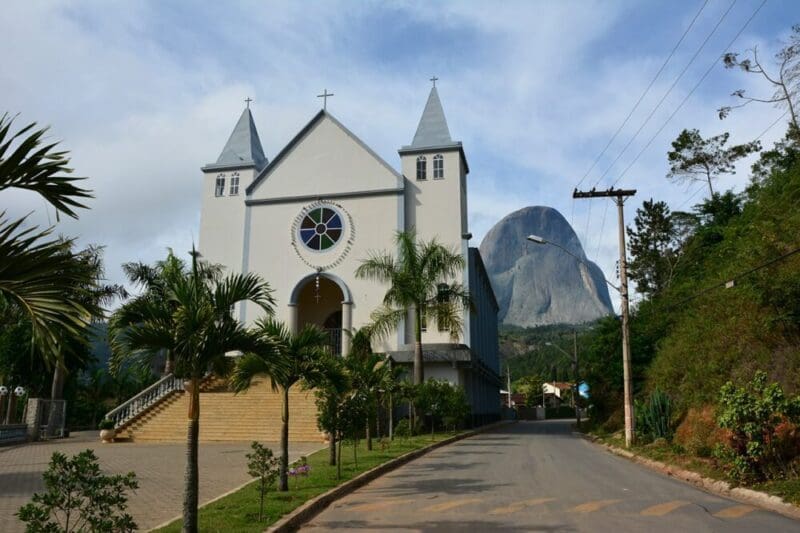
(247, 101)
(434, 79)
(325, 94)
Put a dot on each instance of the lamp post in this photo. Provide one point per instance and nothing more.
(576, 385)
(626, 360)
(3, 394)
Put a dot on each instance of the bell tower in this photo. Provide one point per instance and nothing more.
(435, 171)
(224, 184)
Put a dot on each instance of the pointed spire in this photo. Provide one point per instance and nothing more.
(432, 129)
(243, 147)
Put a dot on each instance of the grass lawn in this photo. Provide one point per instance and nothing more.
(239, 511)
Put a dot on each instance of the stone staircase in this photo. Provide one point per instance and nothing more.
(225, 416)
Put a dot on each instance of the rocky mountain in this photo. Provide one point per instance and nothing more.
(540, 284)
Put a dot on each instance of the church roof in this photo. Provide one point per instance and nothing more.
(243, 148)
(322, 114)
(432, 129)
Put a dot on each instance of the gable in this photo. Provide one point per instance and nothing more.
(324, 158)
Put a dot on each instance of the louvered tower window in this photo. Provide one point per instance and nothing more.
(234, 184)
(422, 168)
(438, 167)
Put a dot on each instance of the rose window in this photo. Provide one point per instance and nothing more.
(321, 229)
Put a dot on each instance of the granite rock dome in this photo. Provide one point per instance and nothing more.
(536, 285)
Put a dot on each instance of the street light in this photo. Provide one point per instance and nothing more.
(540, 240)
(626, 359)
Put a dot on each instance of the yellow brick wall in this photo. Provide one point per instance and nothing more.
(225, 416)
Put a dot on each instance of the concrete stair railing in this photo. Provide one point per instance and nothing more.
(153, 394)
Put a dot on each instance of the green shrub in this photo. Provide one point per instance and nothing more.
(757, 416)
(79, 497)
(106, 424)
(264, 466)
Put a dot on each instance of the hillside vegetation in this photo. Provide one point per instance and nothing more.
(693, 335)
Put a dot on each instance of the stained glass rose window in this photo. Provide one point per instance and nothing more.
(321, 229)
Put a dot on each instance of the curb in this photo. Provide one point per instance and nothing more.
(310, 509)
(714, 486)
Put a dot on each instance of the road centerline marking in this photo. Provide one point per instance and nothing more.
(737, 511)
(663, 508)
(446, 506)
(590, 507)
(518, 506)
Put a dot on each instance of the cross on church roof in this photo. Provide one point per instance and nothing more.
(325, 94)
(434, 79)
(247, 101)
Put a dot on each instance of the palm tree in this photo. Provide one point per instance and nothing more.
(155, 281)
(198, 327)
(37, 273)
(286, 358)
(72, 349)
(420, 279)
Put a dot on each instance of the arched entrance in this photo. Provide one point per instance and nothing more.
(324, 301)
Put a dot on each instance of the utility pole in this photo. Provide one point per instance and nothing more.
(508, 377)
(577, 392)
(619, 196)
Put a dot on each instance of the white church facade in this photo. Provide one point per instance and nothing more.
(305, 220)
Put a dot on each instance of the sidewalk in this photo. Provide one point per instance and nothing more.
(159, 469)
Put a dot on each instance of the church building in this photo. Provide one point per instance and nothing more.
(306, 218)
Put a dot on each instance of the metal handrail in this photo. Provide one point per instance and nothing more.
(147, 397)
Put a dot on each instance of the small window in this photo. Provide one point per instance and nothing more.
(438, 167)
(442, 296)
(220, 188)
(422, 168)
(234, 184)
(423, 326)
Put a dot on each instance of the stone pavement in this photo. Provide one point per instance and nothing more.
(159, 469)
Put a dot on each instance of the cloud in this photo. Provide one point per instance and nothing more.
(145, 93)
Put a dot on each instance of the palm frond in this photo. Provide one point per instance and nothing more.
(47, 282)
(36, 167)
(384, 320)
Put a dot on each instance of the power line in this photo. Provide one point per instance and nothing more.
(666, 94)
(639, 101)
(700, 188)
(636, 106)
(732, 281)
(699, 82)
(772, 125)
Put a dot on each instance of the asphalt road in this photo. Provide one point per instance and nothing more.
(536, 476)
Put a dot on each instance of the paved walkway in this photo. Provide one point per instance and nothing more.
(536, 476)
(159, 469)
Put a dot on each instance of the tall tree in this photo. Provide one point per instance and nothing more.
(286, 358)
(785, 79)
(92, 294)
(694, 158)
(652, 245)
(199, 327)
(155, 281)
(37, 272)
(420, 281)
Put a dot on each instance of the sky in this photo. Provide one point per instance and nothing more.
(144, 93)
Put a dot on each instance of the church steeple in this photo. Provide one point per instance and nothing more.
(243, 148)
(432, 129)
